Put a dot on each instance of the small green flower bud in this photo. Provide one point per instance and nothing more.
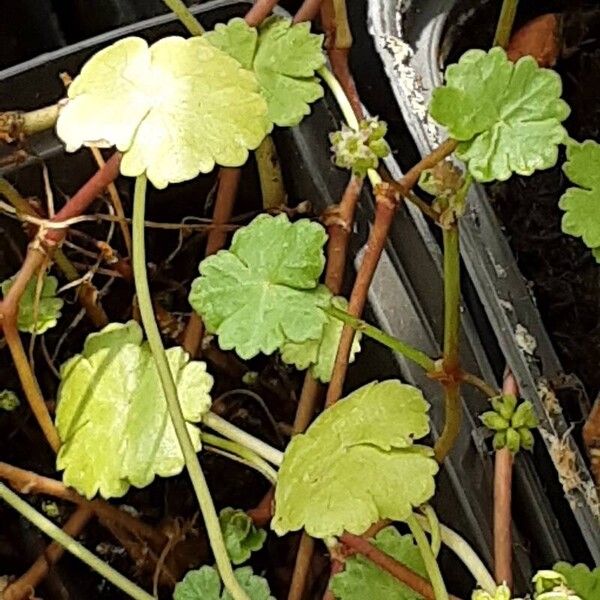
(513, 440)
(499, 440)
(524, 416)
(546, 580)
(505, 405)
(492, 420)
(526, 438)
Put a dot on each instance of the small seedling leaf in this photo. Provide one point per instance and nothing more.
(112, 415)
(320, 354)
(357, 464)
(284, 58)
(205, 584)
(362, 579)
(174, 109)
(506, 116)
(37, 314)
(264, 290)
(241, 536)
(9, 401)
(584, 582)
(582, 204)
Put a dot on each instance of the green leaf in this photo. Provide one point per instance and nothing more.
(585, 583)
(241, 536)
(205, 584)
(507, 117)
(284, 58)
(582, 204)
(112, 415)
(37, 312)
(264, 290)
(174, 109)
(320, 354)
(9, 401)
(362, 579)
(357, 464)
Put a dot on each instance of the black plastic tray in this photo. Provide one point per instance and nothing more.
(408, 37)
(405, 299)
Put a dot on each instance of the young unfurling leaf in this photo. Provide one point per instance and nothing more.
(506, 117)
(240, 535)
(357, 463)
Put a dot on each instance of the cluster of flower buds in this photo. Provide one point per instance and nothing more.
(511, 422)
(360, 149)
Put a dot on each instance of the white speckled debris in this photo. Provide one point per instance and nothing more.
(526, 342)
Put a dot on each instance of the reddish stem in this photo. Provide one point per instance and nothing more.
(22, 587)
(229, 179)
(308, 11)
(384, 214)
(337, 566)
(503, 472)
(389, 564)
(260, 10)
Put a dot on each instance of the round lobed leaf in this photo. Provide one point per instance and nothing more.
(320, 354)
(205, 584)
(284, 58)
(507, 116)
(37, 312)
(357, 464)
(112, 415)
(240, 535)
(174, 109)
(264, 290)
(582, 204)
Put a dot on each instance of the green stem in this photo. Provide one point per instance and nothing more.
(451, 297)
(235, 434)
(506, 22)
(431, 565)
(346, 107)
(452, 404)
(383, 338)
(185, 16)
(249, 458)
(465, 553)
(71, 545)
(433, 529)
(207, 507)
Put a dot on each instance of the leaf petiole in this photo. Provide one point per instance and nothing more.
(242, 454)
(431, 565)
(209, 514)
(383, 338)
(182, 12)
(235, 434)
(72, 546)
